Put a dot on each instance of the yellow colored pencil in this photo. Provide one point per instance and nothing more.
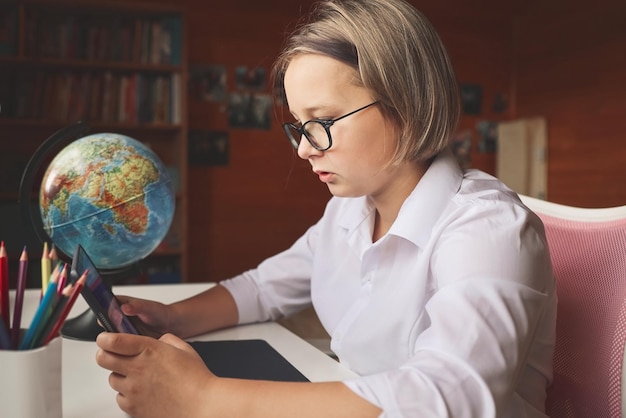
(46, 266)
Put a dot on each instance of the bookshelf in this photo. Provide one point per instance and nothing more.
(118, 66)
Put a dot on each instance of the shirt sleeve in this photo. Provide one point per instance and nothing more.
(280, 286)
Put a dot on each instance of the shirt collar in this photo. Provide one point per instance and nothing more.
(420, 210)
(423, 207)
(355, 212)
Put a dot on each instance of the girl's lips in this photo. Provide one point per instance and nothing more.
(324, 176)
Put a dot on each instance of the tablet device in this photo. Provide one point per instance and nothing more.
(101, 299)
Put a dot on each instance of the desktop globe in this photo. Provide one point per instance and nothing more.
(109, 193)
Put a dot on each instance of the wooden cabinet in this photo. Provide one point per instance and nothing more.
(119, 67)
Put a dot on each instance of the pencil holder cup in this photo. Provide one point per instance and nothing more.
(30, 382)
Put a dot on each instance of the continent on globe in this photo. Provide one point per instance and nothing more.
(111, 194)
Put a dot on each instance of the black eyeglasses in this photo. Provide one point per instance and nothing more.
(316, 131)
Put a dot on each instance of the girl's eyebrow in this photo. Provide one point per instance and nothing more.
(310, 110)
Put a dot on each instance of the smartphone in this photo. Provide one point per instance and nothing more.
(101, 299)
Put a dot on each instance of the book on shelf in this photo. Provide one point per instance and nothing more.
(8, 31)
(176, 110)
(102, 97)
(144, 96)
(171, 45)
(155, 40)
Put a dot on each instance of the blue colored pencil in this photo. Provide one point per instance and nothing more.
(41, 315)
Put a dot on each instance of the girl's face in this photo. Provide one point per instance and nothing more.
(357, 164)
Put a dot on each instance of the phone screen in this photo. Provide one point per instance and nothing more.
(99, 297)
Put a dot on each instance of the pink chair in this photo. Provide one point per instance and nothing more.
(588, 252)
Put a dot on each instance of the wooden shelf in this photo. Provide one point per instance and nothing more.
(140, 45)
(96, 66)
(55, 124)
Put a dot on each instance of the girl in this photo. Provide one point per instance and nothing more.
(434, 284)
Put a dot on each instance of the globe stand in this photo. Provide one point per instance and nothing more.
(85, 326)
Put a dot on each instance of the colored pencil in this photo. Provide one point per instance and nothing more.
(58, 269)
(19, 298)
(52, 254)
(75, 289)
(51, 320)
(46, 266)
(50, 298)
(54, 258)
(55, 310)
(62, 281)
(4, 287)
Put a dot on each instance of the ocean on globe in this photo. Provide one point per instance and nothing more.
(111, 194)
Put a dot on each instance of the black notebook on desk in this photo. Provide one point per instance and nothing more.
(247, 359)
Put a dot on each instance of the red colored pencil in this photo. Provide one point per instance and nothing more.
(4, 286)
(75, 290)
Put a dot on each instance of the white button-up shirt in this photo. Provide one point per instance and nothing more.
(450, 314)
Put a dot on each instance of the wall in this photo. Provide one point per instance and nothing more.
(571, 67)
(563, 59)
(263, 199)
(267, 197)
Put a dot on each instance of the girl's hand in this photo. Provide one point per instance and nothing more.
(154, 378)
(154, 315)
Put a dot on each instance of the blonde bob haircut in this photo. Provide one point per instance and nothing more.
(397, 55)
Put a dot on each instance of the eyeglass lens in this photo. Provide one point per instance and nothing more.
(315, 132)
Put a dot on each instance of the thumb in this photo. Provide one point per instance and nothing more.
(174, 341)
(130, 306)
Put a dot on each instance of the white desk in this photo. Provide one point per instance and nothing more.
(86, 392)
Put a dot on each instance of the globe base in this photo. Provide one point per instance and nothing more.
(84, 327)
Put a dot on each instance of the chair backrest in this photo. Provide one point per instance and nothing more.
(588, 252)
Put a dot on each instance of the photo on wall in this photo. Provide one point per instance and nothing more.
(250, 78)
(472, 99)
(208, 148)
(249, 111)
(208, 83)
(487, 136)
